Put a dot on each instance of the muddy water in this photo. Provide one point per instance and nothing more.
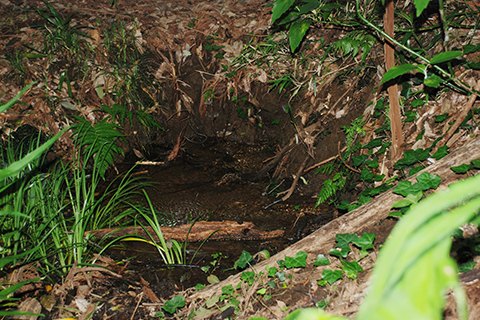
(206, 183)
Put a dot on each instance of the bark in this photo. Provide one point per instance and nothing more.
(368, 215)
(394, 114)
(201, 230)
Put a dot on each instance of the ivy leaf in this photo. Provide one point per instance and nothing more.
(409, 200)
(463, 168)
(176, 302)
(280, 7)
(476, 163)
(366, 175)
(244, 259)
(397, 71)
(321, 261)
(300, 260)
(343, 241)
(403, 188)
(358, 160)
(410, 157)
(441, 152)
(428, 181)
(297, 33)
(332, 276)
(445, 56)
(365, 242)
(351, 269)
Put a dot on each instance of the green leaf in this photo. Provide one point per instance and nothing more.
(332, 276)
(476, 163)
(248, 277)
(321, 261)
(351, 269)
(441, 152)
(300, 260)
(420, 5)
(228, 290)
(445, 56)
(366, 175)
(245, 258)
(463, 168)
(409, 200)
(297, 33)
(365, 242)
(343, 241)
(280, 7)
(404, 188)
(359, 160)
(176, 302)
(433, 81)
(428, 181)
(397, 71)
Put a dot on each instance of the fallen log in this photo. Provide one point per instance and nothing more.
(356, 221)
(201, 230)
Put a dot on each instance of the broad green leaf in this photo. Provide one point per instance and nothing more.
(300, 260)
(366, 175)
(397, 71)
(365, 242)
(445, 56)
(433, 81)
(321, 261)
(297, 33)
(428, 181)
(343, 241)
(476, 163)
(441, 152)
(280, 7)
(245, 258)
(248, 277)
(420, 5)
(404, 188)
(463, 168)
(332, 276)
(351, 269)
(173, 304)
(402, 203)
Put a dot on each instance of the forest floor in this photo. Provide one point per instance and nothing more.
(210, 70)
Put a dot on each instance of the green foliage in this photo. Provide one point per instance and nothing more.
(6, 299)
(99, 141)
(331, 187)
(174, 303)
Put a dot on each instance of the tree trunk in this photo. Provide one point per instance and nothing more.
(366, 216)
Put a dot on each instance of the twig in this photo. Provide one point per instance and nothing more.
(138, 303)
(325, 161)
(297, 177)
(460, 119)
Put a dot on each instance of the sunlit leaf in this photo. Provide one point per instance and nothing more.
(297, 33)
(397, 71)
(280, 7)
(445, 56)
(433, 81)
(420, 5)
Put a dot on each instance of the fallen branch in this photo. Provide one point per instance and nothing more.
(201, 230)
